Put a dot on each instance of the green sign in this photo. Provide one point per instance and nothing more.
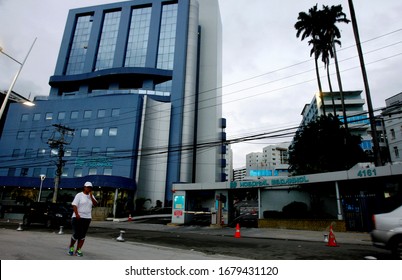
(290, 181)
(265, 183)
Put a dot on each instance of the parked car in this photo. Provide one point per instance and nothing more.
(248, 220)
(387, 232)
(48, 214)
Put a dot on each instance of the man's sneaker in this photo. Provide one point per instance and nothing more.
(71, 251)
(79, 253)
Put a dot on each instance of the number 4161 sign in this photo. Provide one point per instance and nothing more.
(367, 173)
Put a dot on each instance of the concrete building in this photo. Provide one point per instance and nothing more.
(393, 126)
(134, 105)
(239, 174)
(273, 161)
(357, 117)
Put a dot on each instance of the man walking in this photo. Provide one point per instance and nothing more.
(82, 216)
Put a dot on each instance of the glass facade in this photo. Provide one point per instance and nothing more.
(107, 45)
(167, 37)
(76, 60)
(138, 38)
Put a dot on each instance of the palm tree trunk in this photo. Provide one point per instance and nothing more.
(338, 75)
(330, 90)
(319, 80)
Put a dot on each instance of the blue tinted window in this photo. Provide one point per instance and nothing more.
(108, 40)
(167, 37)
(79, 45)
(138, 38)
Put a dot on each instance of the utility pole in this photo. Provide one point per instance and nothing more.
(59, 139)
(376, 147)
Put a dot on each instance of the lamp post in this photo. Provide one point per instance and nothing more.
(3, 106)
(42, 178)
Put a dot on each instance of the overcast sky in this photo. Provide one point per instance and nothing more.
(268, 75)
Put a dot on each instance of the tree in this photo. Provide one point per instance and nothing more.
(330, 33)
(326, 51)
(324, 145)
(320, 25)
(308, 25)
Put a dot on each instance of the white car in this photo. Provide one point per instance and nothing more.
(387, 232)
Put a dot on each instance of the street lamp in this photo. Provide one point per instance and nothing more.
(42, 178)
(3, 106)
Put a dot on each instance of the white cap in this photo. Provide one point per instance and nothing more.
(88, 184)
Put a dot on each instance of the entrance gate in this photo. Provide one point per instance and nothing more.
(358, 210)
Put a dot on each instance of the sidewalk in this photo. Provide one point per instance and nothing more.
(271, 233)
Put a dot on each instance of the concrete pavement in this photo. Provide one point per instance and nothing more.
(31, 245)
(272, 233)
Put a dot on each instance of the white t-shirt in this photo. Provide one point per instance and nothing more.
(84, 205)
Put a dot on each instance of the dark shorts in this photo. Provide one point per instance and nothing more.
(80, 228)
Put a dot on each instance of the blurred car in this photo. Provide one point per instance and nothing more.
(48, 214)
(246, 220)
(387, 232)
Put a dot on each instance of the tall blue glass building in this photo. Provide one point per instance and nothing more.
(135, 102)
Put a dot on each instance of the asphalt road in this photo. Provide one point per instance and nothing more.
(205, 245)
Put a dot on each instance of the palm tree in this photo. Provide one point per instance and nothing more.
(326, 51)
(330, 33)
(309, 25)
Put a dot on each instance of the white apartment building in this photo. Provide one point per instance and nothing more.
(357, 117)
(392, 116)
(272, 161)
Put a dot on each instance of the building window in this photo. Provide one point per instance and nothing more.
(32, 134)
(78, 172)
(98, 131)
(68, 152)
(16, 153)
(92, 171)
(50, 172)
(24, 172)
(74, 115)
(79, 46)
(54, 152)
(115, 112)
(101, 113)
(64, 172)
(61, 116)
(113, 131)
(24, 117)
(107, 171)
(87, 114)
(167, 37)
(108, 41)
(37, 172)
(110, 151)
(84, 132)
(82, 152)
(29, 153)
(137, 44)
(20, 135)
(95, 151)
(41, 152)
(396, 152)
(392, 134)
(49, 116)
(36, 117)
(11, 172)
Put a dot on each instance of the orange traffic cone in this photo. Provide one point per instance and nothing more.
(237, 234)
(331, 238)
(129, 218)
